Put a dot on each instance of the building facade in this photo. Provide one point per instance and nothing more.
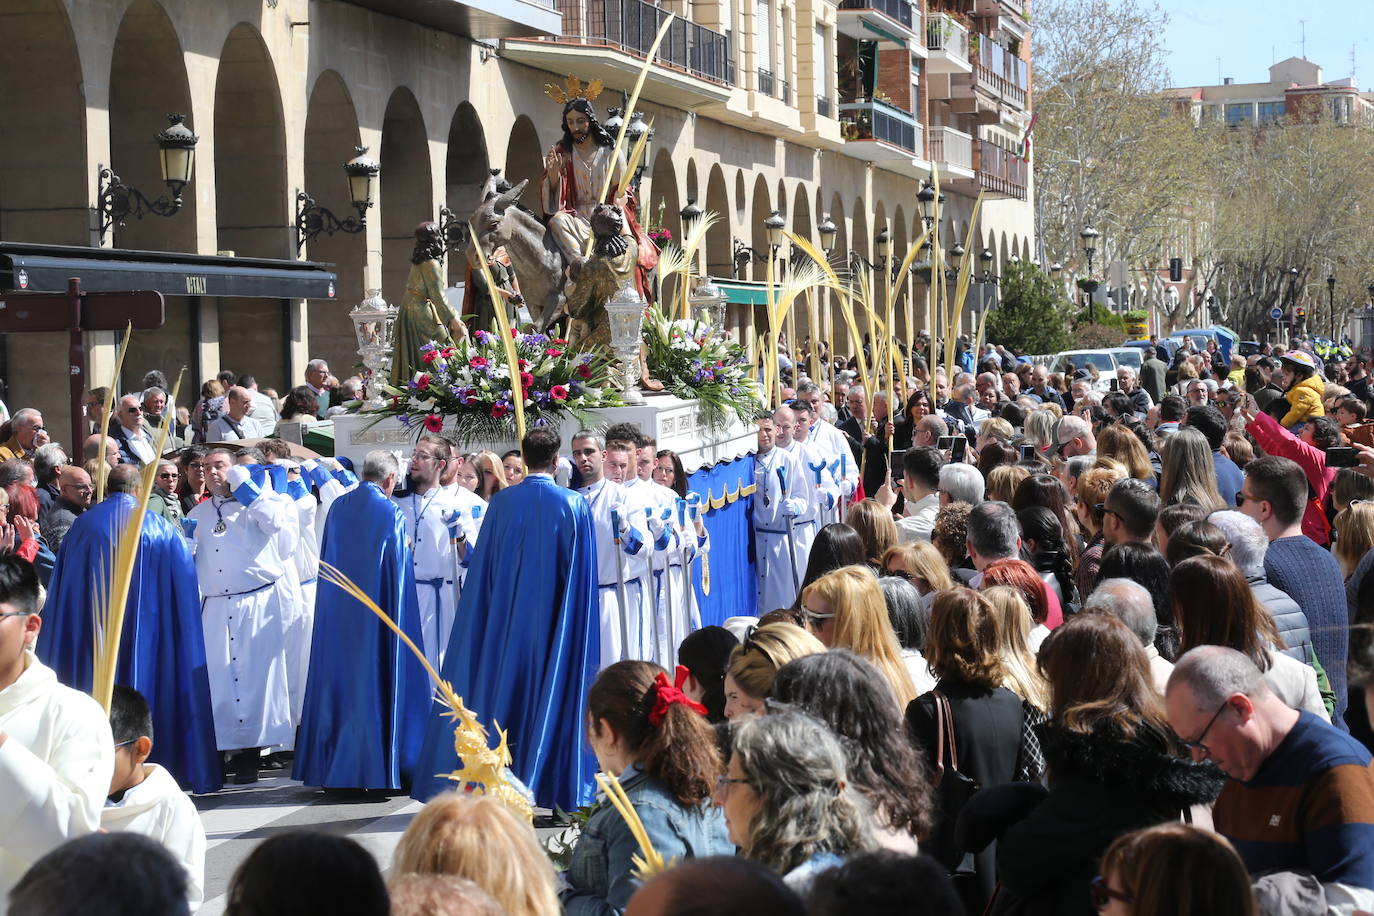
(802, 106)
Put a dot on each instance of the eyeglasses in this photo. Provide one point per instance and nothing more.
(723, 784)
(814, 620)
(1196, 744)
(1240, 498)
(426, 456)
(16, 614)
(1102, 895)
(167, 476)
(1103, 510)
(133, 410)
(125, 743)
(78, 487)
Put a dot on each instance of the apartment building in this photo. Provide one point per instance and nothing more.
(1296, 90)
(807, 107)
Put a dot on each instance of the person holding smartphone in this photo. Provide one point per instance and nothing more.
(1309, 450)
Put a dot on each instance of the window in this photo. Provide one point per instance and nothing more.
(763, 36)
(819, 72)
(1270, 112)
(1239, 113)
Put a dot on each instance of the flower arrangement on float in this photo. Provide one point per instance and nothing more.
(467, 387)
(698, 362)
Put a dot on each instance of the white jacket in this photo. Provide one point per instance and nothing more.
(158, 809)
(55, 769)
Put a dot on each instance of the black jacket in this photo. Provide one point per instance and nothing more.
(1101, 787)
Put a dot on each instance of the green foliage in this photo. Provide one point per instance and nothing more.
(1101, 316)
(1031, 315)
(1106, 329)
(1135, 315)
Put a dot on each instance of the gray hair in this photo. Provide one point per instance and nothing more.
(808, 387)
(379, 465)
(796, 766)
(828, 412)
(993, 530)
(1130, 601)
(1129, 370)
(1072, 427)
(909, 615)
(592, 435)
(316, 364)
(47, 460)
(25, 416)
(1076, 465)
(933, 425)
(149, 392)
(1249, 543)
(962, 482)
(1214, 673)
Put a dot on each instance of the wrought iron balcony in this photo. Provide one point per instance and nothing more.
(900, 10)
(632, 25)
(1001, 171)
(877, 120)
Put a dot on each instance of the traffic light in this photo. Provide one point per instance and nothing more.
(1175, 270)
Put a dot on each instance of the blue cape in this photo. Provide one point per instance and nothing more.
(162, 649)
(524, 647)
(367, 696)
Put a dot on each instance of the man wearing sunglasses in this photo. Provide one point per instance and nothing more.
(1300, 793)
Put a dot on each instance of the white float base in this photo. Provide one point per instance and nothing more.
(675, 423)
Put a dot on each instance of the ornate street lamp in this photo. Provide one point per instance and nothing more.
(827, 231)
(774, 226)
(689, 215)
(638, 128)
(928, 198)
(1089, 235)
(116, 201)
(312, 220)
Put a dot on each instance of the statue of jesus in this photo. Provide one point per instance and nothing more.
(575, 170)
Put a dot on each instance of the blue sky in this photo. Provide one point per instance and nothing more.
(1249, 35)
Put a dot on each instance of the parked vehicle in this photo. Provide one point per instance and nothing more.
(1104, 361)
(1224, 336)
(1165, 347)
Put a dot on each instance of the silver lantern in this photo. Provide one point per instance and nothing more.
(626, 311)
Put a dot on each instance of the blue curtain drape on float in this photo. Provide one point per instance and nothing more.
(733, 587)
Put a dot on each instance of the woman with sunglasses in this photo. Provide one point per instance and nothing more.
(656, 740)
(755, 662)
(1113, 764)
(1173, 870)
(845, 610)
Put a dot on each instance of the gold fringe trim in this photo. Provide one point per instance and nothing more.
(726, 497)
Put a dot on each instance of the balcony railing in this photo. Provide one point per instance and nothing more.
(785, 92)
(944, 34)
(632, 25)
(765, 81)
(951, 147)
(999, 71)
(876, 120)
(1000, 170)
(899, 10)
(823, 106)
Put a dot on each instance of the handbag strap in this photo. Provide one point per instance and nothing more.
(944, 726)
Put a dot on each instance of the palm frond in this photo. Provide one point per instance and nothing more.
(632, 102)
(107, 410)
(651, 861)
(517, 387)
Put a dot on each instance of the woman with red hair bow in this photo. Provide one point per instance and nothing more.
(656, 739)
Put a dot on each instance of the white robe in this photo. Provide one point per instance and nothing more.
(777, 587)
(832, 443)
(157, 808)
(436, 570)
(249, 591)
(602, 497)
(472, 511)
(55, 769)
(300, 625)
(803, 487)
(668, 630)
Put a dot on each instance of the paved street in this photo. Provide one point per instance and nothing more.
(240, 817)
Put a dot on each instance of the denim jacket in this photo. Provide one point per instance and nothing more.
(599, 874)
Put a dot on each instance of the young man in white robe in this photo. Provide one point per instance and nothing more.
(778, 577)
(145, 798)
(245, 540)
(435, 516)
(639, 513)
(56, 754)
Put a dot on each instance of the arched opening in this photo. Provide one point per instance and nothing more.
(525, 159)
(660, 208)
(44, 196)
(147, 81)
(693, 186)
(835, 327)
(331, 134)
(741, 205)
(902, 308)
(44, 193)
(252, 202)
(861, 243)
(759, 210)
(406, 188)
(803, 321)
(718, 239)
(466, 168)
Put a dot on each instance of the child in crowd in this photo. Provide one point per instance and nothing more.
(144, 798)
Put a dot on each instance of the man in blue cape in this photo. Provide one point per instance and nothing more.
(367, 695)
(525, 645)
(162, 648)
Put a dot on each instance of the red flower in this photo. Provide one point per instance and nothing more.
(584, 371)
(498, 411)
(422, 382)
(558, 393)
(523, 364)
(434, 423)
(429, 356)
(559, 340)
(526, 380)
(447, 352)
(478, 362)
(512, 332)
(553, 351)
(395, 402)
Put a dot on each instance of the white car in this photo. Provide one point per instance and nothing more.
(1104, 361)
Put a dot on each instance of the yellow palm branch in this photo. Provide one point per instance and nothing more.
(107, 410)
(651, 862)
(498, 302)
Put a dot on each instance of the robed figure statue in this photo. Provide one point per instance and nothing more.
(424, 315)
